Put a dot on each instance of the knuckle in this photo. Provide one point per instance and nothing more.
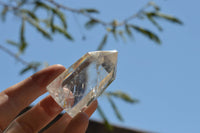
(50, 107)
(36, 80)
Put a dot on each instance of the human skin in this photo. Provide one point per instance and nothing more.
(17, 97)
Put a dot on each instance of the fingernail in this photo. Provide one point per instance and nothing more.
(84, 108)
(59, 65)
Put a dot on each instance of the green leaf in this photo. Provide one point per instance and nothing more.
(63, 31)
(122, 95)
(89, 10)
(23, 43)
(114, 33)
(147, 33)
(29, 13)
(21, 2)
(39, 4)
(3, 13)
(115, 108)
(151, 19)
(103, 42)
(40, 29)
(121, 34)
(61, 16)
(32, 66)
(167, 17)
(13, 43)
(52, 23)
(91, 23)
(128, 31)
(103, 116)
(156, 7)
(25, 70)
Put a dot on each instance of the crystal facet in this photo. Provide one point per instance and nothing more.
(84, 81)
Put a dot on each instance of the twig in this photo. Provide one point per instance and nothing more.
(14, 55)
(135, 15)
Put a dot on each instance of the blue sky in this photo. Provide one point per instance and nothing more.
(164, 78)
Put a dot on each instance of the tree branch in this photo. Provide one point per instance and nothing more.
(88, 15)
(98, 20)
(77, 11)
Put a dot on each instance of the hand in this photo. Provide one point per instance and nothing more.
(14, 99)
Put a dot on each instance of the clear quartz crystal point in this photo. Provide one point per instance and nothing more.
(84, 81)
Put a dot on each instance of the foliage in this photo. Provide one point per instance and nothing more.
(28, 11)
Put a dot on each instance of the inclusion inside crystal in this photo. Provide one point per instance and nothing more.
(84, 81)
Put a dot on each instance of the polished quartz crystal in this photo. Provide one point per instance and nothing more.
(84, 81)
